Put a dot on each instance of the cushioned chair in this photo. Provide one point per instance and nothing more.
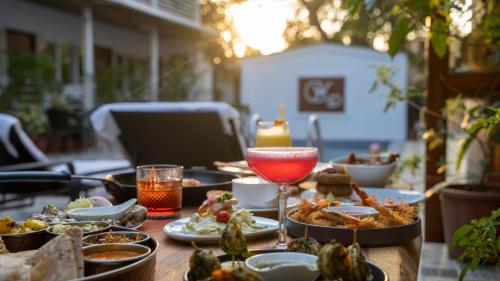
(191, 134)
(19, 153)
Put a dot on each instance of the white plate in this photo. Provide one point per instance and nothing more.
(174, 231)
(291, 202)
(381, 194)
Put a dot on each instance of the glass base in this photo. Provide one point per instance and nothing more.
(281, 246)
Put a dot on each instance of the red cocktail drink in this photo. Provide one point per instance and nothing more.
(282, 166)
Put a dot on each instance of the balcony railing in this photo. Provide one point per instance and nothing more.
(185, 8)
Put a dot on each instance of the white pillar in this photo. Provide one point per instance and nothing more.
(74, 64)
(58, 63)
(88, 59)
(154, 63)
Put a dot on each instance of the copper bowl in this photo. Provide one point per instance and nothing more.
(24, 241)
(92, 239)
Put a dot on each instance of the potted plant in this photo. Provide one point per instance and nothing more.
(35, 123)
(480, 241)
(462, 202)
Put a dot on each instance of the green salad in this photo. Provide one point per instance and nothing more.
(208, 225)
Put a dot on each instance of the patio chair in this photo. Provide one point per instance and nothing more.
(191, 134)
(69, 127)
(19, 153)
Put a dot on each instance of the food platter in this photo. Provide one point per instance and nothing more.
(410, 197)
(378, 273)
(142, 269)
(369, 237)
(175, 230)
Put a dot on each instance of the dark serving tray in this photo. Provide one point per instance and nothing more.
(191, 196)
(368, 237)
(378, 273)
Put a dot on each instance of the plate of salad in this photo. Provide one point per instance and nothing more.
(207, 225)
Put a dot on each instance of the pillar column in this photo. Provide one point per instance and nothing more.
(154, 64)
(88, 59)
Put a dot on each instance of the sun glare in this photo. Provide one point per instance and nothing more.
(261, 24)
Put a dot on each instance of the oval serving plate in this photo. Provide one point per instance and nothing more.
(367, 237)
(410, 197)
(378, 273)
(174, 230)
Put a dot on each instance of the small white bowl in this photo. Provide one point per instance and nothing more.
(354, 211)
(366, 175)
(254, 192)
(295, 266)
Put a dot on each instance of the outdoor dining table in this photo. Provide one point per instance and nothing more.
(399, 262)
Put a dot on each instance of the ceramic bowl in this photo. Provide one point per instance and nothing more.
(366, 175)
(284, 266)
(254, 192)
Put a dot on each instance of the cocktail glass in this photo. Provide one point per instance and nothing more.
(273, 134)
(159, 189)
(282, 166)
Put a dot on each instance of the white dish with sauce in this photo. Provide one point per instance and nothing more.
(284, 266)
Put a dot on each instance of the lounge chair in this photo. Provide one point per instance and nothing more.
(19, 153)
(191, 134)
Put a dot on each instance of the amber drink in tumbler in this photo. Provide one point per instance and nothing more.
(159, 189)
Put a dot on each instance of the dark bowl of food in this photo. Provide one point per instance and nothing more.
(105, 257)
(367, 170)
(22, 236)
(116, 237)
(195, 183)
(88, 227)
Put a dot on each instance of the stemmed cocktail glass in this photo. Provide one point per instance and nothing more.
(282, 166)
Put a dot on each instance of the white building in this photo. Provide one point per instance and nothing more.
(331, 81)
(86, 37)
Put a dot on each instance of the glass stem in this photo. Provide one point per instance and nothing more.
(282, 198)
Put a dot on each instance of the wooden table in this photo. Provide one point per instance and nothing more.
(400, 262)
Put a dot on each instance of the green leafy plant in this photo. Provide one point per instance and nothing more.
(411, 163)
(34, 120)
(416, 15)
(475, 120)
(481, 242)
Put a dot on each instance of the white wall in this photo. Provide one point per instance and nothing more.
(266, 81)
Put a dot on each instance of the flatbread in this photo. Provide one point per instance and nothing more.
(60, 259)
(3, 248)
(14, 269)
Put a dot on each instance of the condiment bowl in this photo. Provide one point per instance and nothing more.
(103, 226)
(93, 238)
(284, 266)
(93, 266)
(254, 192)
(364, 174)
